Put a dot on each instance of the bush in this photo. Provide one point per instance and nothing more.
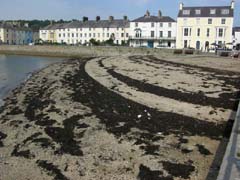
(224, 53)
(189, 51)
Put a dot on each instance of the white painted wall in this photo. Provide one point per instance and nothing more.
(146, 28)
(83, 35)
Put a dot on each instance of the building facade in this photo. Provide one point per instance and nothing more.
(153, 31)
(14, 34)
(81, 32)
(236, 37)
(49, 33)
(203, 28)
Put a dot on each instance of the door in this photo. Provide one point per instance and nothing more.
(198, 45)
(150, 44)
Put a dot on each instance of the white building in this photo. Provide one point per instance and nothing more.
(236, 36)
(204, 28)
(153, 31)
(81, 32)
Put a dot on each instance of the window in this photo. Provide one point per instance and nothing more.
(63, 34)
(185, 31)
(68, 34)
(197, 11)
(186, 12)
(223, 21)
(212, 11)
(198, 32)
(169, 34)
(85, 34)
(94, 35)
(220, 32)
(107, 34)
(161, 34)
(59, 35)
(161, 24)
(126, 34)
(208, 32)
(90, 35)
(152, 24)
(136, 24)
(209, 21)
(90, 29)
(76, 34)
(122, 35)
(225, 11)
(152, 33)
(169, 24)
(72, 34)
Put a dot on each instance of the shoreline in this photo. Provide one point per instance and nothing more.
(69, 121)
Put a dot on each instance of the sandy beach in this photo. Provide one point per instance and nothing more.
(120, 118)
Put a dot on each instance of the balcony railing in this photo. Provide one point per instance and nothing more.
(151, 38)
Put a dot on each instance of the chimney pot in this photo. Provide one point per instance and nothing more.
(125, 18)
(111, 18)
(232, 4)
(85, 19)
(98, 18)
(147, 13)
(181, 6)
(159, 14)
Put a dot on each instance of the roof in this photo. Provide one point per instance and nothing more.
(205, 11)
(154, 19)
(117, 23)
(236, 29)
(52, 27)
(5, 25)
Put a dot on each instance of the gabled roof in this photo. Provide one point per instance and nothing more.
(205, 11)
(154, 19)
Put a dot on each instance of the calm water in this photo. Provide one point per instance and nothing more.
(16, 69)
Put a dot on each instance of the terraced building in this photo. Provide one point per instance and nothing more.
(152, 31)
(204, 28)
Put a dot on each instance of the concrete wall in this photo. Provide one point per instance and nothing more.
(76, 51)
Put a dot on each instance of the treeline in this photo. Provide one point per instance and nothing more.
(37, 24)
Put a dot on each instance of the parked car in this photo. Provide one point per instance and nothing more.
(161, 46)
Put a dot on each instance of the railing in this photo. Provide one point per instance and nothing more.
(151, 38)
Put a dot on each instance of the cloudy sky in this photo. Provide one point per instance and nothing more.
(75, 9)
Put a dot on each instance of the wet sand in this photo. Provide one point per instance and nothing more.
(129, 117)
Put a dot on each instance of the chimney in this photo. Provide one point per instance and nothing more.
(147, 14)
(159, 14)
(125, 18)
(111, 18)
(85, 18)
(181, 6)
(98, 18)
(232, 4)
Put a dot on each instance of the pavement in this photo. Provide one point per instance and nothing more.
(230, 168)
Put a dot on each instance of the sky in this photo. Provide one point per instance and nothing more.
(76, 9)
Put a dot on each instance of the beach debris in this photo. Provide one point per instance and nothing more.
(139, 116)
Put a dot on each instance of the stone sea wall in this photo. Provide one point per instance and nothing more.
(76, 51)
